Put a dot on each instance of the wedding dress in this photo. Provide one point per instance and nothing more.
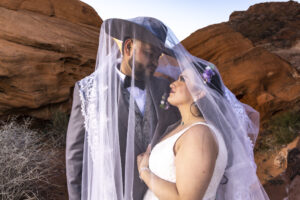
(162, 162)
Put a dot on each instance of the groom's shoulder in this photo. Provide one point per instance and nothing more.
(86, 81)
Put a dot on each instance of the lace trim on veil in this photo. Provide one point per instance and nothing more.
(240, 110)
(87, 93)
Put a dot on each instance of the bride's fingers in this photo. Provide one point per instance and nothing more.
(139, 159)
(148, 149)
(141, 155)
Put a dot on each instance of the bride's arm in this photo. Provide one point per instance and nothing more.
(196, 153)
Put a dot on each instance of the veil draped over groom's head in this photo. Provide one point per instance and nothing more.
(141, 48)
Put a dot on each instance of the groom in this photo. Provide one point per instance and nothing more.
(143, 43)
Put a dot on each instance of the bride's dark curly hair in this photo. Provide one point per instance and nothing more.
(215, 83)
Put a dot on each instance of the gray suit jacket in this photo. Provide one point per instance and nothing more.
(76, 132)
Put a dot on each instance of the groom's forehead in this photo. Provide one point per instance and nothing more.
(147, 46)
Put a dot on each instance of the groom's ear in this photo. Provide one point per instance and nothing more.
(127, 47)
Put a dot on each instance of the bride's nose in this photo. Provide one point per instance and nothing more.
(172, 85)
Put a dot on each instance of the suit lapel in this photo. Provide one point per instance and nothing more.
(156, 94)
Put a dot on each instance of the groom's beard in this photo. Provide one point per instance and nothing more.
(141, 72)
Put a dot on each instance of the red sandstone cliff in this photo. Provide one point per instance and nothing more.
(45, 47)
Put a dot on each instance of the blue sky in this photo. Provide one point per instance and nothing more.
(182, 16)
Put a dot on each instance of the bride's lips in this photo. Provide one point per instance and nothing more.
(172, 92)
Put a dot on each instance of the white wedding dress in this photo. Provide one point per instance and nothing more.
(162, 163)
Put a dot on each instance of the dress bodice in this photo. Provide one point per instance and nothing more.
(162, 162)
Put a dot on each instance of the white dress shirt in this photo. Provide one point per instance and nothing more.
(138, 94)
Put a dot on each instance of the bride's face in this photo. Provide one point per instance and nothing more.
(179, 93)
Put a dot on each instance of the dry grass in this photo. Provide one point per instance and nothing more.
(29, 161)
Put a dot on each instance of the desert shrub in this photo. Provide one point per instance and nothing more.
(285, 127)
(56, 129)
(28, 162)
(279, 130)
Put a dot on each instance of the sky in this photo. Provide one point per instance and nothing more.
(183, 16)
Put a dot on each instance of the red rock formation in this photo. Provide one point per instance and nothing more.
(45, 47)
(274, 26)
(274, 22)
(258, 77)
(73, 11)
(293, 173)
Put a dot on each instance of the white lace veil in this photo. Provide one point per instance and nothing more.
(100, 94)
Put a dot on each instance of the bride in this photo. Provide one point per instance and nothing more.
(190, 160)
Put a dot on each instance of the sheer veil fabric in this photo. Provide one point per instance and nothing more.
(104, 176)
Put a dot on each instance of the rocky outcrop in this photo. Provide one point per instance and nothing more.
(273, 22)
(257, 77)
(293, 188)
(73, 11)
(293, 173)
(274, 26)
(45, 47)
(280, 179)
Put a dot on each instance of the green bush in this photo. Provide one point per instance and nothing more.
(280, 130)
(285, 127)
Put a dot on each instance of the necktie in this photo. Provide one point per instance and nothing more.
(139, 84)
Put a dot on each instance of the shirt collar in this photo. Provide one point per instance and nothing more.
(120, 74)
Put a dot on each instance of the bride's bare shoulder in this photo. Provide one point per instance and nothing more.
(198, 131)
(196, 137)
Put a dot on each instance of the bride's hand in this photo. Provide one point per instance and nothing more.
(143, 159)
